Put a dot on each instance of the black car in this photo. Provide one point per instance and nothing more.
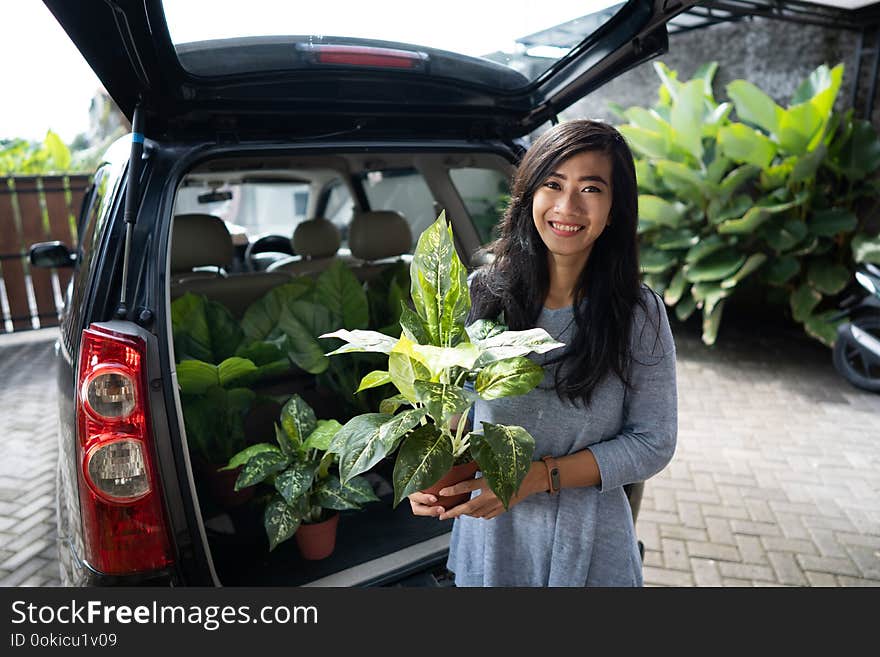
(350, 145)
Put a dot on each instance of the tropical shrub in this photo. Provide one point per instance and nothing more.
(431, 365)
(781, 198)
(298, 469)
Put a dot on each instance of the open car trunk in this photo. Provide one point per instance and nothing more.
(217, 223)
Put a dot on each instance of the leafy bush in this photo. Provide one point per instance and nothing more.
(781, 198)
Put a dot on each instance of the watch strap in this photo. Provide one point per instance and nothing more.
(552, 474)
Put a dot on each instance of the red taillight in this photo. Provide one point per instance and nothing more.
(366, 56)
(124, 526)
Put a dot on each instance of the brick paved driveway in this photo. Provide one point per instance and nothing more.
(776, 479)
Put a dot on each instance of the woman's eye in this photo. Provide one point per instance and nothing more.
(551, 184)
(592, 187)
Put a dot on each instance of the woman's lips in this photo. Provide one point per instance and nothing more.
(562, 232)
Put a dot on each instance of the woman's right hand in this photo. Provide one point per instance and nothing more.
(423, 505)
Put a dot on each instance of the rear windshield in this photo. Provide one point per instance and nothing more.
(525, 37)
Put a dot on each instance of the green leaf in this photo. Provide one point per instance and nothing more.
(646, 178)
(484, 328)
(676, 288)
(404, 370)
(323, 434)
(280, 521)
(866, 249)
(298, 421)
(706, 247)
(331, 494)
(684, 181)
(233, 370)
(391, 404)
(647, 119)
(374, 379)
(860, 152)
(685, 307)
(758, 215)
(743, 144)
(203, 330)
(715, 267)
(687, 117)
(59, 154)
(226, 334)
(301, 344)
(784, 237)
(295, 482)
(711, 322)
(782, 270)
(359, 490)
(822, 327)
(358, 340)
(366, 439)
(654, 261)
(423, 458)
(718, 212)
(515, 343)
(261, 317)
(734, 180)
(829, 223)
(751, 265)
(505, 456)
(443, 400)
(439, 359)
(660, 211)
(777, 175)
(676, 239)
(805, 167)
(413, 327)
(646, 142)
(340, 291)
(260, 466)
(194, 376)
(827, 277)
(797, 127)
(245, 455)
(754, 106)
(803, 301)
(508, 377)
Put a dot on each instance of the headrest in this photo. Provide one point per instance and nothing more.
(316, 238)
(199, 240)
(379, 234)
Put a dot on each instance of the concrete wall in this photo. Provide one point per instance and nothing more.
(774, 55)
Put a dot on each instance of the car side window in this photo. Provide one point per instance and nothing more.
(405, 191)
(486, 194)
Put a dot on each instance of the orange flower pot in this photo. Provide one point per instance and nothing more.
(457, 474)
(317, 540)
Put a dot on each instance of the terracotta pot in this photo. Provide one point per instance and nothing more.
(455, 475)
(317, 540)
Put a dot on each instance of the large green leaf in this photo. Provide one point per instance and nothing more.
(298, 421)
(391, 404)
(782, 270)
(711, 322)
(295, 482)
(413, 327)
(798, 126)
(706, 247)
(759, 214)
(245, 455)
(442, 400)
(648, 119)
(708, 295)
(515, 343)
(195, 377)
(280, 521)
(715, 267)
(233, 370)
(423, 458)
(508, 377)
(686, 182)
(438, 359)
(333, 494)
(366, 439)
(860, 152)
(260, 466)
(754, 106)
(803, 301)
(359, 340)
(805, 167)
(404, 370)
(676, 288)
(323, 434)
(734, 180)
(203, 329)
(866, 249)
(743, 144)
(374, 379)
(751, 265)
(300, 343)
(647, 179)
(786, 236)
(719, 211)
(484, 328)
(828, 223)
(340, 291)
(822, 327)
(648, 143)
(682, 238)
(359, 490)
(505, 456)
(654, 261)
(827, 277)
(659, 211)
(687, 117)
(686, 307)
(261, 317)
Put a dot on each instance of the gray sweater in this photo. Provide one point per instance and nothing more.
(583, 536)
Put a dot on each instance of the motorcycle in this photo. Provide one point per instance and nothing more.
(857, 349)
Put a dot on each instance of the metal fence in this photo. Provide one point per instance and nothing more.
(35, 209)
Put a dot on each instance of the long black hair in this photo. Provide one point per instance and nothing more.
(517, 280)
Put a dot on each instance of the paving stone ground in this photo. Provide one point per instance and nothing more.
(775, 481)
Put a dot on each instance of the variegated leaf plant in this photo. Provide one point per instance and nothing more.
(430, 364)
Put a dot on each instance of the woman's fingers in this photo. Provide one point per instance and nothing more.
(463, 487)
(422, 505)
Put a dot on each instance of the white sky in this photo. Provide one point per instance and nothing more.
(48, 85)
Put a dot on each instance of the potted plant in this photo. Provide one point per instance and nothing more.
(308, 494)
(434, 364)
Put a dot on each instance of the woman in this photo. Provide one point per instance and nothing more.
(605, 414)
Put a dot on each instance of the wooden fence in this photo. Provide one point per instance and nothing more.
(35, 209)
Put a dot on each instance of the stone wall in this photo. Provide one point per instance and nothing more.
(773, 54)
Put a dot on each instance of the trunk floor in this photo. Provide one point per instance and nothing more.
(243, 558)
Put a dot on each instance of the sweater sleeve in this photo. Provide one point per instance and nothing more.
(647, 439)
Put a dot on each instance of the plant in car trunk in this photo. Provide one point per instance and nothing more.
(299, 469)
(781, 198)
(429, 365)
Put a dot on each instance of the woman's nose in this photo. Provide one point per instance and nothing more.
(569, 202)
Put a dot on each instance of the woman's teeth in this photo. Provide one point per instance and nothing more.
(568, 228)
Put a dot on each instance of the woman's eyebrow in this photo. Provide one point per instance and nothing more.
(600, 179)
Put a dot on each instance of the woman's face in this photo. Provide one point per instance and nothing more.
(572, 206)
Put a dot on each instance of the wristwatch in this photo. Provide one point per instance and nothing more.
(552, 474)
